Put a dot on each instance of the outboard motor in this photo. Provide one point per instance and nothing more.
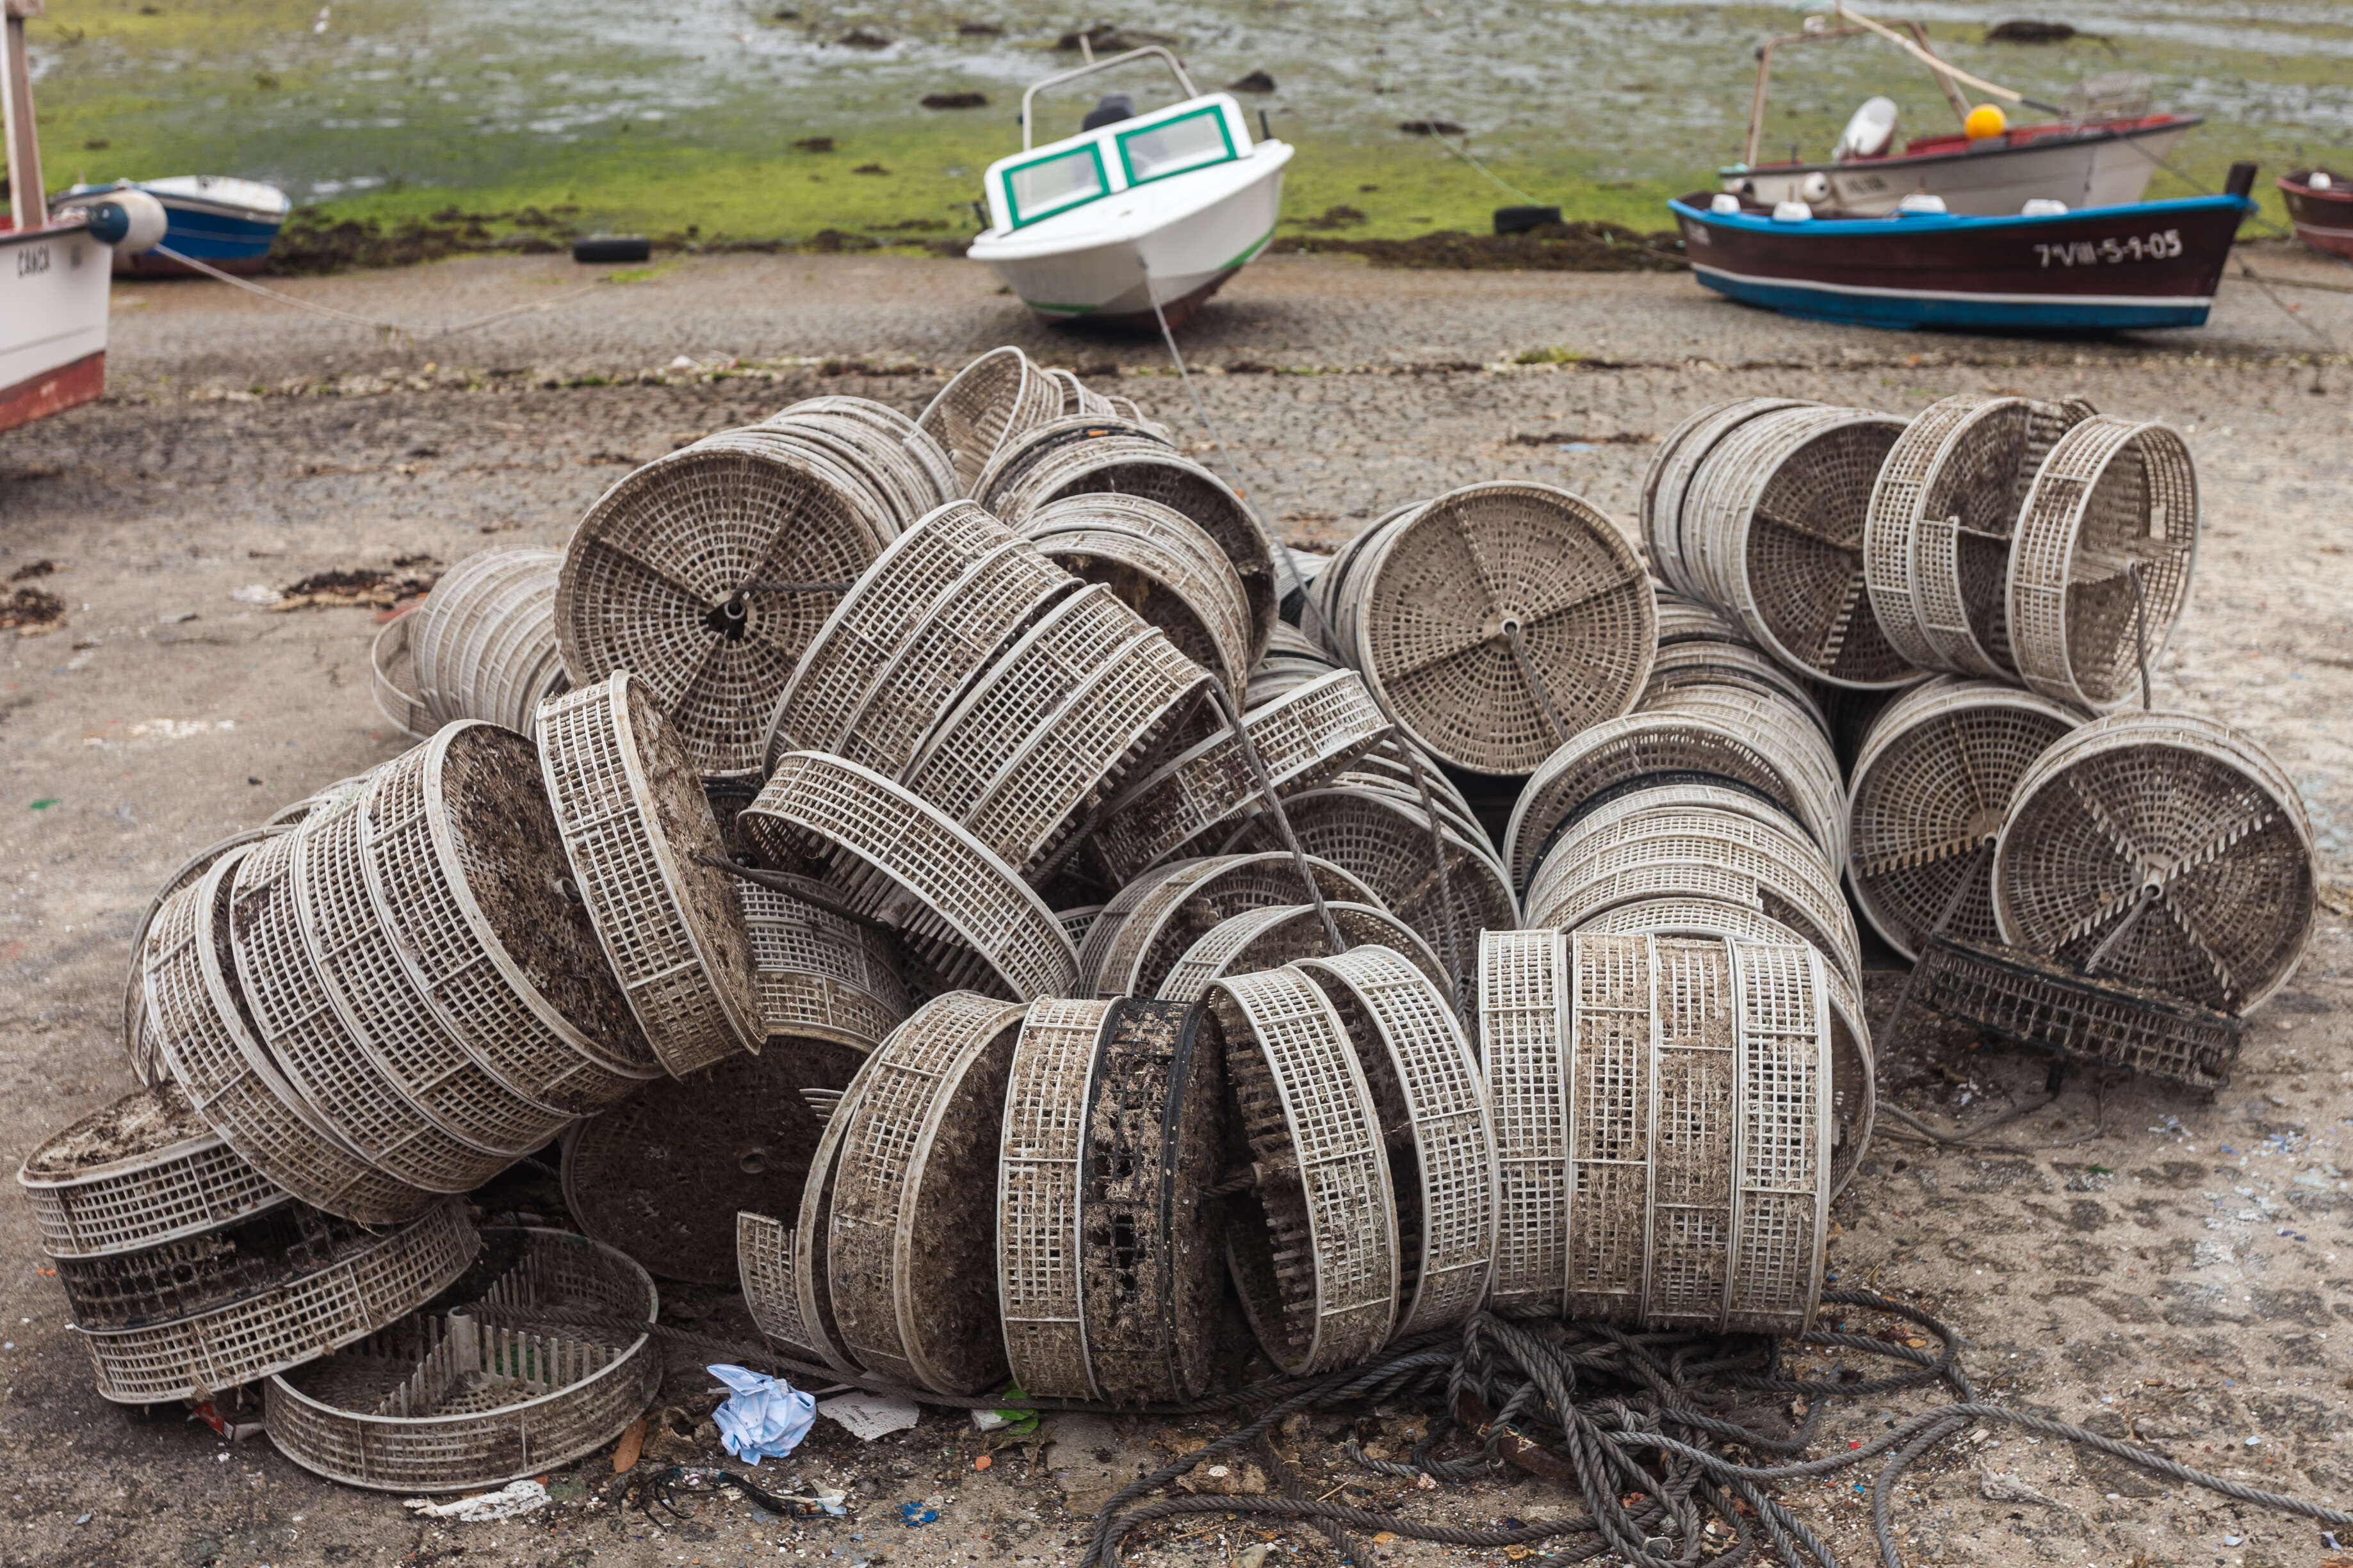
(1114, 108)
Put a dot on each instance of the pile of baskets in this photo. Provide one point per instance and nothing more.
(482, 646)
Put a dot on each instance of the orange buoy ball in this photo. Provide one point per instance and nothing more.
(1985, 122)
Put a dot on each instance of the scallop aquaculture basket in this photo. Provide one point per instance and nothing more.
(1077, 400)
(1423, 1080)
(900, 861)
(886, 438)
(1136, 941)
(1278, 934)
(912, 1220)
(662, 1176)
(146, 1057)
(483, 644)
(207, 1270)
(636, 830)
(1089, 456)
(934, 612)
(392, 678)
(1524, 1040)
(2161, 849)
(1930, 789)
(313, 1306)
(144, 1172)
(1162, 564)
(1498, 621)
(900, 481)
(986, 404)
(2114, 502)
(821, 974)
(1302, 738)
(208, 1041)
(1041, 737)
(1314, 1245)
(1683, 618)
(2040, 1003)
(1937, 546)
(1773, 531)
(448, 1401)
(1698, 662)
(1667, 481)
(706, 573)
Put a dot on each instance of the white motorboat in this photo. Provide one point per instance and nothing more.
(1139, 216)
(53, 274)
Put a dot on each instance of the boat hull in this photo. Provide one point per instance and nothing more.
(2103, 170)
(2154, 264)
(53, 300)
(2323, 219)
(226, 235)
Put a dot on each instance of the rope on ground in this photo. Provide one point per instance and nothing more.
(388, 329)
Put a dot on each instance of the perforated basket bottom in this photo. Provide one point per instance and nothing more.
(2038, 1003)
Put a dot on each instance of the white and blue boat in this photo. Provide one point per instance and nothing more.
(217, 219)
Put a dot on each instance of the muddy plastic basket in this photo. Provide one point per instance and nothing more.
(1498, 621)
(1138, 939)
(144, 1171)
(448, 1401)
(1302, 738)
(1163, 565)
(1040, 1174)
(637, 828)
(1683, 618)
(1042, 737)
(1096, 457)
(1278, 934)
(986, 404)
(899, 860)
(146, 1058)
(392, 678)
(208, 1041)
(1707, 662)
(1937, 545)
(1423, 1080)
(2115, 503)
(661, 1176)
(305, 1312)
(1773, 532)
(1930, 788)
(1523, 1039)
(888, 435)
(821, 974)
(1313, 1246)
(2162, 850)
(707, 572)
(912, 1222)
(932, 611)
(1667, 480)
(483, 646)
(898, 478)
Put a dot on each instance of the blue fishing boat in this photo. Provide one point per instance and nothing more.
(217, 219)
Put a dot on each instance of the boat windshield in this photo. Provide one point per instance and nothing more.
(1178, 139)
(1173, 146)
(1046, 185)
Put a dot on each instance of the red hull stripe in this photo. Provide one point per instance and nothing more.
(53, 391)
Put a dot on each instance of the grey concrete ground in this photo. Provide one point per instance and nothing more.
(2185, 1274)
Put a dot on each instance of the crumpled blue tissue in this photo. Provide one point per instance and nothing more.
(764, 1417)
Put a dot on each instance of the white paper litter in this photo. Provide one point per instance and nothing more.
(515, 1497)
(870, 1415)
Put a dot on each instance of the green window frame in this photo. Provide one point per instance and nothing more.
(1013, 202)
(1225, 135)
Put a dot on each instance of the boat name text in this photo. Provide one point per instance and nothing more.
(2112, 250)
(31, 259)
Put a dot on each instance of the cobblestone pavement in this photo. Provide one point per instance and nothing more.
(2185, 1275)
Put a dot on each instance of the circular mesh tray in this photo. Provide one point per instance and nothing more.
(912, 1222)
(1096, 457)
(1430, 606)
(1135, 943)
(652, 571)
(1694, 662)
(1162, 564)
(290, 816)
(931, 614)
(1078, 400)
(634, 821)
(1686, 619)
(209, 1043)
(1774, 525)
(146, 1060)
(1422, 1078)
(989, 402)
(897, 859)
(1523, 1021)
(200, 1273)
(2182, 826)
(1853, 1077)
(1076, 923)
(1930, 786)
(2110, 494)
(1655, 748)
(286, 1325)
(662, 1176)
(1041, 736)
(1277, 934)
(392, 678)
(142, 1172)
(893, 437)
(901, 483)
(484, 644)
(1313, 1248)
(1302, 738)
(1667, 481)
(821, 974)
(1041, 1175)
(444, 1402)
(1780, 727)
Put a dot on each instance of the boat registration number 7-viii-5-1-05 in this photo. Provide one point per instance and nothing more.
(2109, 251)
